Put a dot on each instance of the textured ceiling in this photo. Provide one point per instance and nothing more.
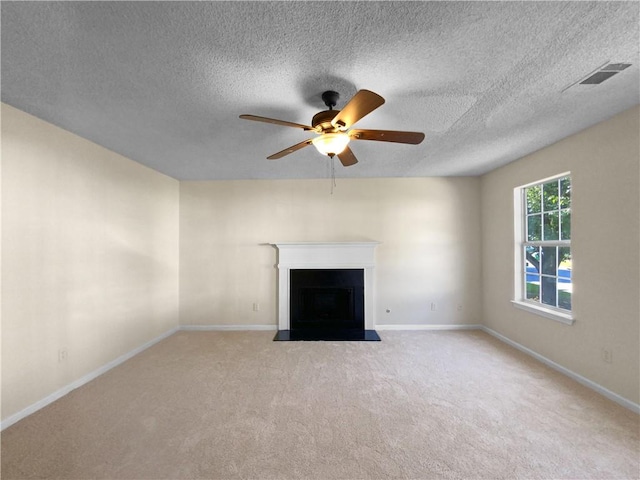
(163, 83)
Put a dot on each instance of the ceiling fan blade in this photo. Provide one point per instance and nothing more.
(276, 122)
(287, 151)
(362, 103)
(413, 138)
(347, 158)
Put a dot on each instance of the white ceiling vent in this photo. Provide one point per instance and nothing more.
(599, 75)
(604, 73)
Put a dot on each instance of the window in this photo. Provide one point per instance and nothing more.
(543, 242)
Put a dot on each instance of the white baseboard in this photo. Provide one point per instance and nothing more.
(428, 327)
(16, 417)
(227, 328)
(565, 371)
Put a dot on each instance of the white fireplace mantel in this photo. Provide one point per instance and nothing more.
(325, 255)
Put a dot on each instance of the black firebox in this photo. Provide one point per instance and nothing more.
(326, 304)
(327, 299)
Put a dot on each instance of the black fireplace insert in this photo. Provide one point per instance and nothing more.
(326, 299)
(326, 304)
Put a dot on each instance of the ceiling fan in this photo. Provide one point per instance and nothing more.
(332, 127)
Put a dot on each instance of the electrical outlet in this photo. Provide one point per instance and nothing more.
(607, 355)
(434, 307)
(459, 307)
(256, 307)
(62, 355)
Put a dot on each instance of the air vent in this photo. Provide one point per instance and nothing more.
(599, 75)
(597, 78)
(604, 73)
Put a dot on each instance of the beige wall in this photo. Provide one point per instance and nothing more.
(429, 229)
(89, 257)
(603, 161)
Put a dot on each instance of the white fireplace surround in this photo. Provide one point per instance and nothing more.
(325, 255)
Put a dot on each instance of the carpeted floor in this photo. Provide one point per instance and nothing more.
(417, 405)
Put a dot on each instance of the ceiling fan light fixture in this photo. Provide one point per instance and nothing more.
(331, 143)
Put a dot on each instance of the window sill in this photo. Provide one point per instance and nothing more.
(561, 317)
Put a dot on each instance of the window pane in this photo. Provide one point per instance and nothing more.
(548, 287)
(550, 196)
(533, 287)
(534, 199)
(551, 226)
(565, 222)
(534, 227)
(549, 260)
(532, 259)
(565, 192)
(565, 285)
(564, 299)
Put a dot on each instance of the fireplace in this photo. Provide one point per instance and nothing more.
(326, 291)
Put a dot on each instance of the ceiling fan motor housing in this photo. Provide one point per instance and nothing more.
(323, 120)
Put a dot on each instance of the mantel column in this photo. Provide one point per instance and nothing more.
(284, 289)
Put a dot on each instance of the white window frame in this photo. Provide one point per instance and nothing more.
(520, 235)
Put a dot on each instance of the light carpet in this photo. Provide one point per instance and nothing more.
(417, 405)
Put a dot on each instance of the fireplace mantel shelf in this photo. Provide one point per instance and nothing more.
(321, 244)
(325, 255)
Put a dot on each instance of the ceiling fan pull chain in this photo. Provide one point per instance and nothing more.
(333, 172)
